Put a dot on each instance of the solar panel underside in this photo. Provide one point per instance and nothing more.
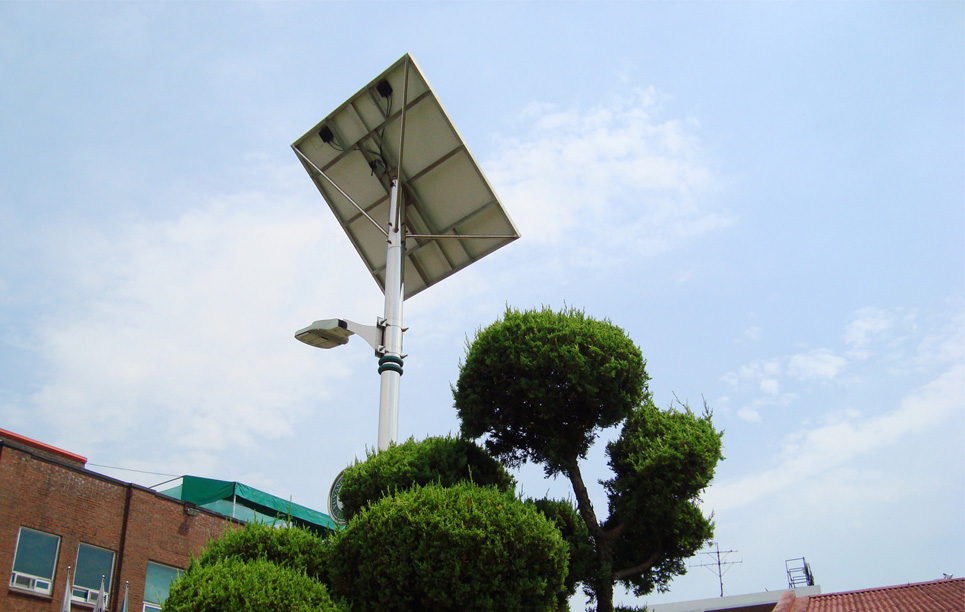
(452, 215)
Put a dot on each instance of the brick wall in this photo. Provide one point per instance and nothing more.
(65, 500)
(42, 449)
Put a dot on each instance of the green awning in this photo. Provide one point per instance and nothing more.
(229, 498)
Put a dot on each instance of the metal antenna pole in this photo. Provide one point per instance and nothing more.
(390, 363)
(720, 566)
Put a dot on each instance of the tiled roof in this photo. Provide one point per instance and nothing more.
(935, 596)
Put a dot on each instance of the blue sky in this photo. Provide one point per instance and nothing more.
(768, 197)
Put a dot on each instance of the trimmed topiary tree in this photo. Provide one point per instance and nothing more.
(541, 385)
(442, 549)
(442, 461)
(233, 585)
(292, 547)
(253, 569)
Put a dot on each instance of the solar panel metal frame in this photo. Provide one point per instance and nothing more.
(452, 216)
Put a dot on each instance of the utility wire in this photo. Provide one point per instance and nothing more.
(114, 467)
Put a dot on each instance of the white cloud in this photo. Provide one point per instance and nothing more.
(184, 327)
(869, 324)
(890, 342)
(770, 386)
(819, 363)
(616, 176)
(809, 457)
(753, 333)
(772, 397)
(749, 414)
(944, 345)
(755, 371)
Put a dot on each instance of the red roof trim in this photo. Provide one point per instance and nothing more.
(891, 586)
(935, 595)
(45, 447)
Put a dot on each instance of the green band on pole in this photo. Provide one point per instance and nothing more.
(390, 367)
(390, 363)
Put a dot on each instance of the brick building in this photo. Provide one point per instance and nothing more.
(55, 513)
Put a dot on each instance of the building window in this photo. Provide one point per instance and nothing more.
(156, 585)
(34, 561)
(92, 563)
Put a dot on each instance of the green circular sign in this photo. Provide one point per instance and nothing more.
(334, 505)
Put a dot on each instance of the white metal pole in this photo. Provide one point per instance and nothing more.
(390, 363)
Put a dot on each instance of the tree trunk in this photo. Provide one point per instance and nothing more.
(583, 503)
(604, 597)
(603, 541)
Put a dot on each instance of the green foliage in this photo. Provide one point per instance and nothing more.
(449, 549)
(257, 568)
(661, 462)
(577, 538)
(662, 455)
(292, 547)
(540, 384)
(442, 461)
(233, 585)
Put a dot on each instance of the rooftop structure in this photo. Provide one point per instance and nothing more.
(751, 602)
(248, 504)
(946, 595)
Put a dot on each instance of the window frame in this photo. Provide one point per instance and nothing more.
(89, 595)
(151, 606)
(33, 581)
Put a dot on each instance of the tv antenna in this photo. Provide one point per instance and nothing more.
(719, 565)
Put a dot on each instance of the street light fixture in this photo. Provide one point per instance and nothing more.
(329, 333)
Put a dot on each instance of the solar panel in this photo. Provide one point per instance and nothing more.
(452, 216)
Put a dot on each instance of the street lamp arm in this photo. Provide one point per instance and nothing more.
(329, 333)
(370, 333)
